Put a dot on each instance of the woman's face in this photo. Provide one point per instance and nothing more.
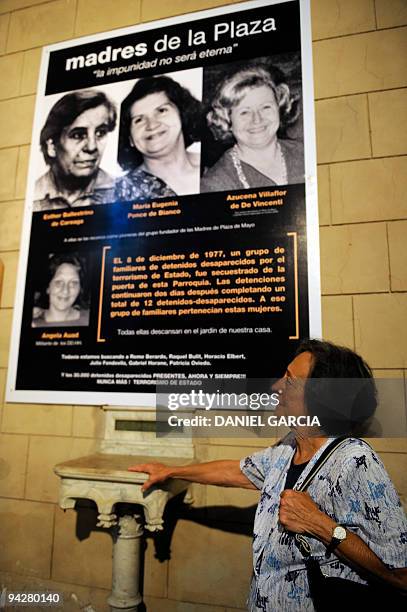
(80, 148)
(292, 386)
(64, 287)
(256, 119)
(155, 125)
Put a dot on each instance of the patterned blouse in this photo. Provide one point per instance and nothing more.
(141, 185)
(353, 488)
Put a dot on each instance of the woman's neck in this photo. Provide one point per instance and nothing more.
(307, 447)
(259, 156)
(169, 164)
(57, 315)
(179, 170)
(71, 187)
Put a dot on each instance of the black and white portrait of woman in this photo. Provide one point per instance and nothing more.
(61, 298)
(255, 120)
(159, 121)
(73, 140)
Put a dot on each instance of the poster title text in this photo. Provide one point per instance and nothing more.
(221, 31)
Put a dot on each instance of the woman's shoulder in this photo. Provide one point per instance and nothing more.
(126, 185)
(363, 493)
(356, 459)
(353, 447)
(83, 318)
(293, 151)
(220, 176)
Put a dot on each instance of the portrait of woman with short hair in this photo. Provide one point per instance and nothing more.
(73, 140)
(250, 113)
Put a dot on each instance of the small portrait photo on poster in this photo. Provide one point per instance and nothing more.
(161, 122)
(254, 115)
(73, 140)
(61, 296)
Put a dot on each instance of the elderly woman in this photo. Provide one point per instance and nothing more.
(350, 514)
(62, 301)
(251, 111)
(73, 141)
(159, 120)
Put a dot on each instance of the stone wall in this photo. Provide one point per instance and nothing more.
(360, 59)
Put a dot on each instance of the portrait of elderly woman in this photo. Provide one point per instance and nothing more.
(73, 141)
(250, 113)
(347, 516)
(62, 299)
(159, 121)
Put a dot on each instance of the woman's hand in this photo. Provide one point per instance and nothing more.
(158, 472)
(298, 513)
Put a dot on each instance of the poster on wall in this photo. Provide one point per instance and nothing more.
(170, 228)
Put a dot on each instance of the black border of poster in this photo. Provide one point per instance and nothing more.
(222, 283)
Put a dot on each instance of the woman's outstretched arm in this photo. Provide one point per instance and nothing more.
(225, 473)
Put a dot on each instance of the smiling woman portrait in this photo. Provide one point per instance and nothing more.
(250, 113)
(61, 300)
(159, 120)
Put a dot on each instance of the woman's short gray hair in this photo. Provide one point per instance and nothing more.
(232, 89)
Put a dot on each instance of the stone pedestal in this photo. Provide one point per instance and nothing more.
(126, 564)
(104, 479)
